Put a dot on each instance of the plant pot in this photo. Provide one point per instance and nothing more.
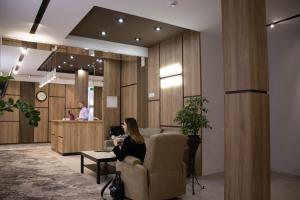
(193, 144)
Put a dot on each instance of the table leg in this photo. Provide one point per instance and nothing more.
(98, 172)
(82, 163)
(105, 168)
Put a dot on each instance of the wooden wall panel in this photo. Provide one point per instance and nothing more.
(171, 51)
(13, 88)
(57, 90)
(111, 116)
(142, 94)
(45, 89)
(27, 90)
(247, 146)
(98, 102)
(129, 102)
(191, 63)
(153, 114)
(171, 101)
(81, 86)
(9, 132)
(41, 132)
(129, 71)
(153, 71)
(70, 97)
(10, 116)
(56, 108)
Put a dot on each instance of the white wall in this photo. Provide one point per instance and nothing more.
(213, 90)
(284, 68)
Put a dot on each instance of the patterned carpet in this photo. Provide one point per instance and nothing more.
(32, 174)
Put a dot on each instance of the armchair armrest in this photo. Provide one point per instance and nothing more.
(132, 160)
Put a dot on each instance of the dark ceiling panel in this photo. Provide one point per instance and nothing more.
(101, 19)
(68, 65)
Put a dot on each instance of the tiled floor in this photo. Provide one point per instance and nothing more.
(283, 187)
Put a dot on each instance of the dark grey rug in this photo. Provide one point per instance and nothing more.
(32, 174)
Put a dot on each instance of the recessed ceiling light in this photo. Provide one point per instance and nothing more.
(24, 50)
(100, 60)
(88, 65)
(71, 65)
(71, 57)
(103, 33)
(137, 39)
(121, 20)
(173, 3)
(65, 62)
(59, 66)
(157, 28)
(272, 26)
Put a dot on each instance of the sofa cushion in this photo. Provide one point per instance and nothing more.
(148, 132)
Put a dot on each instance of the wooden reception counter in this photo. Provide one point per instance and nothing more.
(73, 136)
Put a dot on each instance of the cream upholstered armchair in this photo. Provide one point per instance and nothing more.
(162, 175)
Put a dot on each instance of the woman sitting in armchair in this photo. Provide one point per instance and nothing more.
(133, 144)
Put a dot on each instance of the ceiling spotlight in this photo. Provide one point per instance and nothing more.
(137, 39)
(157, 28)
(59, 66)
(101, 60)
(65, 62)
(272, 26)
(173, 3)
(71, 65)
(103, 33)
(24, 50)
(121, 20)
(88, 65)
(71, 57)
(18, 63)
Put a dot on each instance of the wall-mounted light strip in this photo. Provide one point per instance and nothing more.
(19, 62)
(39, 16)
(170, 70)
(271, 25)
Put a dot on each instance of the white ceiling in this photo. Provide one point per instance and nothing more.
(61, 16)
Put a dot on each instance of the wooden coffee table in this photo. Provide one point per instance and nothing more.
(97, 157)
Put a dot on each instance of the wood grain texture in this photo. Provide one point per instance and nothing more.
(98, 102)
(142, 94)
(81, 86)
(153, 114)
(57, 90)
(13, 88)
(153, 71)
(45, 89)
(244, 45)
(111, 116)
(129, 102)
(41, 132)
(56, 108)
(191, 63)
(70, 97)
(171, 51)
(27, 95)
(9, 132)
(10, 116)
(129, 70)
(247, 147)
(171, 102)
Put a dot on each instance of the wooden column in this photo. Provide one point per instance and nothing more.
(81, 86)
(247, 139)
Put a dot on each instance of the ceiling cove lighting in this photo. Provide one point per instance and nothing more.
(24, 50)
(121, 20)
(50, 76)
(174, 81)
(103, 33)
(170, 70)
(137, 39)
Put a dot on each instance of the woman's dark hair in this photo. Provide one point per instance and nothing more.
(133, 130)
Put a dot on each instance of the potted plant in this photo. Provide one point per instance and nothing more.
(9, 105)
(192, 117)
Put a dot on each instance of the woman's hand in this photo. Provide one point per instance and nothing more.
(117, 141)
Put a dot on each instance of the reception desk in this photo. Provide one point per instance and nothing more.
(69, 137)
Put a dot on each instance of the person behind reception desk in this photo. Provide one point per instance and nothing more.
(71, 115)
(84, 112)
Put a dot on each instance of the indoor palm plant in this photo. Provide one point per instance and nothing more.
(193, 117)
(9, 105)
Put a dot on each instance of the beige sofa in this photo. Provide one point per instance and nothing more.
(162, 175)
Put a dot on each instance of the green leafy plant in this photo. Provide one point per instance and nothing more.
(9, 106)
(192, 116)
